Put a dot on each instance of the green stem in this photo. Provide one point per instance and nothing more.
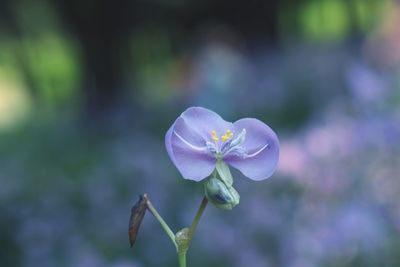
(164, 225)
(196, 219)
(181, 249)
(188, 232)
(182, 259)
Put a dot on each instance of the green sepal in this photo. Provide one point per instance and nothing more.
(224, 173)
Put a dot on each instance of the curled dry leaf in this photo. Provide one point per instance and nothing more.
(137, 213)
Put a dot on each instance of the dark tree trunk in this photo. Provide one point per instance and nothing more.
(100, 27)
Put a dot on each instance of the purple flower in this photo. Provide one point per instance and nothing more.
(199, 138)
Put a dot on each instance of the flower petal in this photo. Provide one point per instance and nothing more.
(168, 144)
(203, 121)
(188, 152)
(262, 146)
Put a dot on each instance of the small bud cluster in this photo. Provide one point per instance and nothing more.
(219, 189)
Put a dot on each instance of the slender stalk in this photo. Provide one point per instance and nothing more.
(182, 259)
(164, 225)
(181, 249)
(197, 217)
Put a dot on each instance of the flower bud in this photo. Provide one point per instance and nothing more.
(182, 239)
(221, 195)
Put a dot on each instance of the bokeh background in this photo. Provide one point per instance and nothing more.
(89, 88)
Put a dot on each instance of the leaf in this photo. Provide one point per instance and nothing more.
(137, 213)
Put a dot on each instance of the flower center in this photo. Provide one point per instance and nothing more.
(229, 145)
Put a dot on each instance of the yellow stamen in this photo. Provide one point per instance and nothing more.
(224, 137)
(228, 134)
(214, 136)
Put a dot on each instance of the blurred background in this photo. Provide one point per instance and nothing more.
(89, 88)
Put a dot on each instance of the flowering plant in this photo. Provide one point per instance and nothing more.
(202, 146)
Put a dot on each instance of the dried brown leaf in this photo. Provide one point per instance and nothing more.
(137, 213)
